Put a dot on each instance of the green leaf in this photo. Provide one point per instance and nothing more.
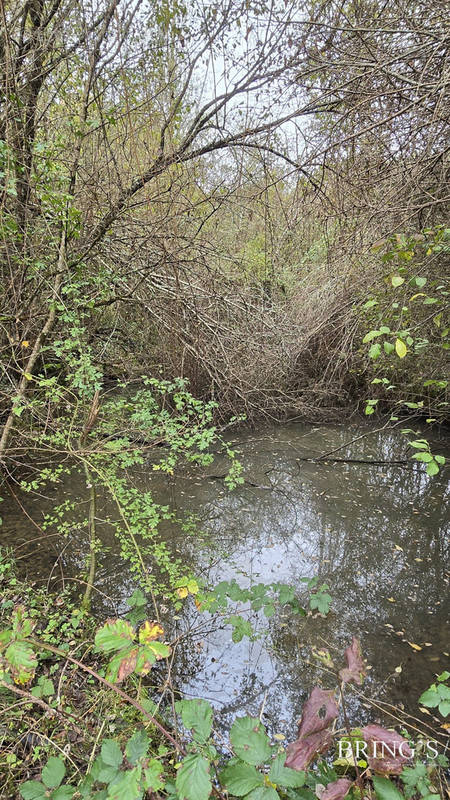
(63, 793)
(396, 280)
(385, 790)
(33, 790)
(388, 347)
(374, 351)
(430, 698)
(444, 676)
(425, 457)
(444, 708)
(22, 661)
(371, 335)
(193, 781)
(111, 753)
(197, 715)
(250, 741)
(137, 746)
(432, 468)
(114, 635)
(241, 778)
(400, 348)
(284, 776)
(420, 282)
(153, 778)
(53, 772)
(263, 793)
(126, 787)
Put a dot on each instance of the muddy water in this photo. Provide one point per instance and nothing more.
(376, 534)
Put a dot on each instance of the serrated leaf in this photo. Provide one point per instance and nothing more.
(385, 789)
(33, 790)
(22, 661)
(63, 793)
(250, 741)
(150, 631)
(284, 776)
(137, 746)
(240, 778)
(263, 793)
(53, 772)
(197, 715)
(126, 787)
(111, 753)
(153, 775)
(115, 634)
(193, 781)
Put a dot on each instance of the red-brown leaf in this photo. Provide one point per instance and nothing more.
(355, 669)
(127, 666)
(387, 751)
(314, 737)
(337, 790)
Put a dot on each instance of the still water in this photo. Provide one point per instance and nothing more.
(377, 534)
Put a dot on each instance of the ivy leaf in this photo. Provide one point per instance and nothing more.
(385, 789)
(53, 772)
(115, 634)
(197, 715)
(241, 778)
(111, 753)
(193, 781)
(284, 776)
(250, 741)
(137, 746)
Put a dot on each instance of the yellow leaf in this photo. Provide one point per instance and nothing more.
(400, 348)
(425, 711)
(28, 376)
(150, 631)
(397, 547)
(391, 599)
(279, 737)
(414, 646)
(182, 592)
(25, 343)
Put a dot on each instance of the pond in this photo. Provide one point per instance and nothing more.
(375, 533)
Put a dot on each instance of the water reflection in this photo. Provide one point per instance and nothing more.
(375, 534)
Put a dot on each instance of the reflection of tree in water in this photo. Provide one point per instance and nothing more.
(371, 533)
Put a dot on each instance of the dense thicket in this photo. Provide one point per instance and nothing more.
(196, 191)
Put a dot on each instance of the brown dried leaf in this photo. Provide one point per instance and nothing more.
(355, 670)
(337, 790)
(127, 665)
(387, 751)
(314, 737)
